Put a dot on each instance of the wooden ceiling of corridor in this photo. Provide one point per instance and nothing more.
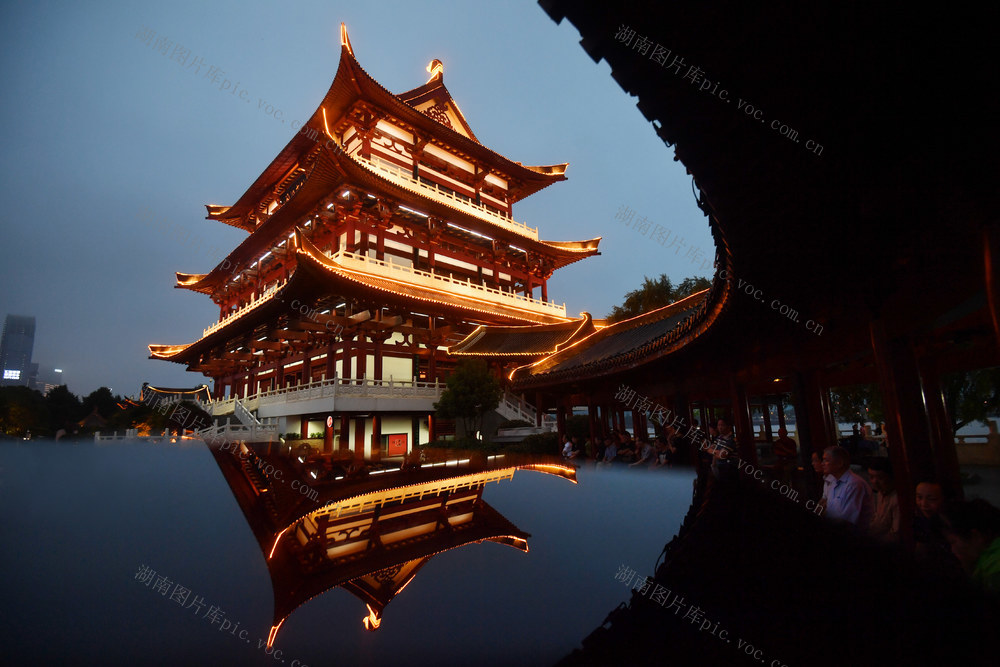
(894, 219)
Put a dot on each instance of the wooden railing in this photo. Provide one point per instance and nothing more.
(453, 285)
(237, 313)
(404, 178)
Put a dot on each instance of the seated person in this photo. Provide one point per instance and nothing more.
(885, 522)
(680, 450)
(786, 456)
(848, 496)
(973, 531)
(724, 455)
(626, 448)
(575, 449)
(931, 546)
(610, 451)
(662, 456)
(567, 447)
(600, 447)
(644, 454)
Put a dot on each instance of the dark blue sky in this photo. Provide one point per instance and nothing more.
(110, 150)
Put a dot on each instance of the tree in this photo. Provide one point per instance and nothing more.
(973, 396)
(22, 410)
(690, 286)
(655, 294)
(64, 408)
(472, 392)
(858, 403)
(102, 399)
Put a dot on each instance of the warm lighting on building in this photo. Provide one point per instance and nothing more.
(436, 69)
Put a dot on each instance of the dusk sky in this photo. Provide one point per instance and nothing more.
(111, 148)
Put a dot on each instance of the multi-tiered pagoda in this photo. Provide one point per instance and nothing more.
(382, 234)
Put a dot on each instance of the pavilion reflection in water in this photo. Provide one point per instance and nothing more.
(323, 524)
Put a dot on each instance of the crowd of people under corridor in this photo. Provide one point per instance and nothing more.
(950, 536)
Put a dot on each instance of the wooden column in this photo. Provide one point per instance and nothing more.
(376, 438)
(377, 371)
(304, 428)
(810, 412)
(595, 431)
(361, 350)
(742, 422)
(344, 442)
(811, 424)
(942, 435)
(909, 439)
(991, 266)
(683, 408)
(345, 358)
(766, 414)
(359, 437)
(560, 421)
(431, 428)
(637, 431)
(307, 366)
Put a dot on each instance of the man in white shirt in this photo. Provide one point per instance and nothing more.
(846, 494)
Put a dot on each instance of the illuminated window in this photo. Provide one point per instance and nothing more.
(11, 375)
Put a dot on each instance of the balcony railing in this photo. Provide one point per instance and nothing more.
(405, 179)
(452, 285)
(241, 311)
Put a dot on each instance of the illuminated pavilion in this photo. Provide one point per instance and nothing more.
(379, 236)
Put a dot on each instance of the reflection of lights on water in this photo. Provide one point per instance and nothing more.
(273, 633)
(276, 540)
(371, 621)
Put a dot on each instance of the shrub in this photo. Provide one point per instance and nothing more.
(538, 443)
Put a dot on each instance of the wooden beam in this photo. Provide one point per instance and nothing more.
(281, 334)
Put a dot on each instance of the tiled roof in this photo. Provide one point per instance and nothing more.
(523, 341)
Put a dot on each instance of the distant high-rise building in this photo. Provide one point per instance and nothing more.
(48, 378)
(15, 351)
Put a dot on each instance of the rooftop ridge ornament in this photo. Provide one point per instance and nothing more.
(345, 41)
(436, 68)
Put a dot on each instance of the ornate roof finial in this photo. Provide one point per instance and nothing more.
(436, 68)
(345, 41)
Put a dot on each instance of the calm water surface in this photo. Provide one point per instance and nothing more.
(81, 521)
